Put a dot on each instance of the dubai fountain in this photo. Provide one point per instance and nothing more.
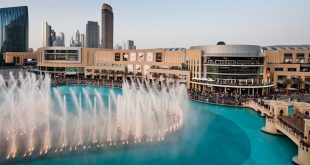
(36, 122)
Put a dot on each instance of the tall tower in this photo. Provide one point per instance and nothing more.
(92, 34)
(62, 39)
(78, 37)
(14, 30)
(83, 40)
(107, 27)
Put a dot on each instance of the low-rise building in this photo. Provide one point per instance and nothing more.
(232, 69)
(21, 58)
(245, 69)
(289, 66)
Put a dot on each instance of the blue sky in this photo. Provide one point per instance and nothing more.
(178, 23)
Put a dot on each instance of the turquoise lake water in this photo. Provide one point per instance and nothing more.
(212, 135)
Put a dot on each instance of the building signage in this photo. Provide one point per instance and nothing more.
(159, 57)
(141, 56)
(133, 57)
(149, 57)
(125, 57)
(138, 69)
(117, 57)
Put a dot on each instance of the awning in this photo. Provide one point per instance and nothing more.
(281, 81)
(291, 89)
(70, 73)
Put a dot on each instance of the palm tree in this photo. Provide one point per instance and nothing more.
(139, 74)
(175, 77)
(299, 82)
(155, 75)
(287, 82)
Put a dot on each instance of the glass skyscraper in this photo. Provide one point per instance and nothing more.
(92, 34)
(14, 30)
(107, 21)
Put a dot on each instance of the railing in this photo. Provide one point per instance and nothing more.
(290, 130)
(233, 82)
(232, 63)
(259, 108)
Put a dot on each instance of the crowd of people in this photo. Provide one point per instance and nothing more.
(236, 99)
(86, 81)
(221, 98)
(233, 82)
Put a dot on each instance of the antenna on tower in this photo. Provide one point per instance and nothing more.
(110, 2)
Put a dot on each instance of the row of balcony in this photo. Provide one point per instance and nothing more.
(232, 82)
(233, 62)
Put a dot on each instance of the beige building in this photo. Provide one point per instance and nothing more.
(232, 69)
(21, 58)
(289, 66)
(228, 68)
(65, 60)
(168, 65)
(158, 64)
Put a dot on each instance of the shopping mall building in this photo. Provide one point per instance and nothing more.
(246, 69)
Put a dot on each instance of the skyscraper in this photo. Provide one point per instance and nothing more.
(83, 40)
(92, 34)
(14, 30)
(107, 27)
(63, 41)
(130, 45)
(77, 41)
(48, 35)
(78, 37)
(60, 40)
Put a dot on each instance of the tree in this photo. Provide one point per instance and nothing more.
(139, 74)
(155, 75)
(299, 82)
(175, 77)
(288, 81)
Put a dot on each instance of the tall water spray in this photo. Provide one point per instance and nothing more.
(35, 118)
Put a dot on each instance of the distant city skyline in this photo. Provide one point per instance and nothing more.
(177, 23)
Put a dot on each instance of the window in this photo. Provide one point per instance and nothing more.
(304, 69)
(282, 77)
(288, 55)
(278, 69)
(288, 58)
(281, 112)
(300, 55)
(62, 55)
(300, 58)
(291, 69)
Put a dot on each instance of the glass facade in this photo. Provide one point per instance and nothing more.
(14, 30)
(233, 67)
(62, 55)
